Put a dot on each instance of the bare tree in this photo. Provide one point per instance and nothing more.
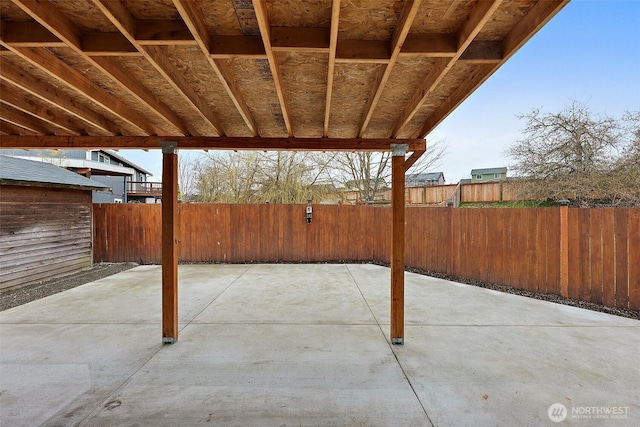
(568, 154)
(269, 177)
(367, 173)
(187, 176)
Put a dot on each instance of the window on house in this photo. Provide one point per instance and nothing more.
(103, 159)
(478, 176)
(496, 176)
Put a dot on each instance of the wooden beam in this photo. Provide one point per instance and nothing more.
(50, 17)
(265, 32)
(60, 71)
(363, 52)
(397, 244)
(32, 34)
(430, 45)
(50, 94)
(169, 244)
(535, 19)
(156, 32)
(53, 20)
(244, 47)
(213, 143)
(108, 44)
(333, 44)
(194, 21)
(462, 92)
(289, 39)
(413, 159)
(17, 99)
(11, 129)
(27, 121)
(480, 14)
(409, 11)
(483, 52)
(119, 16)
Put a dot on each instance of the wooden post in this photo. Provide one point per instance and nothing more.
(398, 152)
(564, 248)
(169, 243)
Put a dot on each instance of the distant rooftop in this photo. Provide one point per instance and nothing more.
(427, 176)
(27, 172)
(488, 171)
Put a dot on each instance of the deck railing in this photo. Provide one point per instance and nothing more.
(144, 187)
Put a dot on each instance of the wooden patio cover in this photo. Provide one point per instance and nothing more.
(238, 74)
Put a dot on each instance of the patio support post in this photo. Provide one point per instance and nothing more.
(398, 152)
(169, 242)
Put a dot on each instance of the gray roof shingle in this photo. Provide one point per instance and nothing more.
(14, 170)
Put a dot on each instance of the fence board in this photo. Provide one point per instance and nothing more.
(595, 243)
(622, 264)
(634, 257)
(515, 247)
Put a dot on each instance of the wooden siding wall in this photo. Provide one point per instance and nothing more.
(44, 233)
(515, 247)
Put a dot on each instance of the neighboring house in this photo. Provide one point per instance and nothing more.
(128, 181)
(486, 175)
(45, 221)
(424, 179)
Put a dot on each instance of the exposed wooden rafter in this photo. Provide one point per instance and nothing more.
(481, 13)
(119, 16)
(265, 32)
(192, 17)
(16, 98)
(202, 142)
(7, 128)
(237, 50)
(27, 121)
(333, 44)
(535, 19)
(55, 68)
(409, 11)
(52, 19)
(51, 95)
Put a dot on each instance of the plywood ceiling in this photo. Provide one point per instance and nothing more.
(243, 70)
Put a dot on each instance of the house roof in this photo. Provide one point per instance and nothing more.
(322, 75)
(488, 171)
(126, 162)
(27, 172)
(427, 176)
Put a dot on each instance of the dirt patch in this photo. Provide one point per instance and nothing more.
(15, 297)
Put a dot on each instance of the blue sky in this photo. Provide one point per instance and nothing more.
(589, 52)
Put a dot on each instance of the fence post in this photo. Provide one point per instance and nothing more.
(564, 248)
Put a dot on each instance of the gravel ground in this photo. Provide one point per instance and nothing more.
(23, 295)
(15, 297)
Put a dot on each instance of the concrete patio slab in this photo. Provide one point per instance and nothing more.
(308, 345)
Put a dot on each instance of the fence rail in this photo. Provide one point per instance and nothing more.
(516, 247)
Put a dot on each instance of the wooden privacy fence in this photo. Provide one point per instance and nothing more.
(516, 247)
